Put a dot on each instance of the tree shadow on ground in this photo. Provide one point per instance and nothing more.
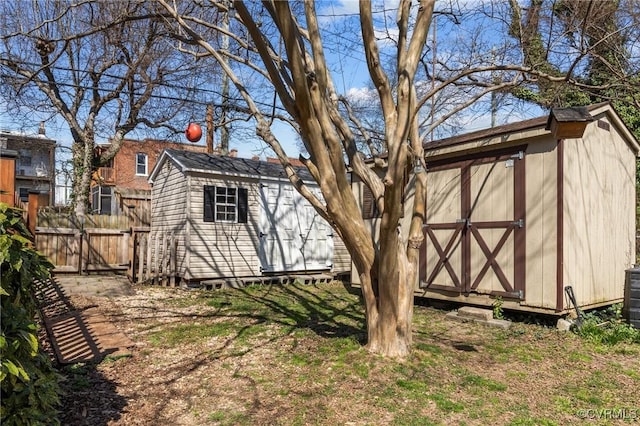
(293, 308)
(88, 397)
(330, 316)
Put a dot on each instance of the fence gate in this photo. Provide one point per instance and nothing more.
(83, 251)
(153, 257)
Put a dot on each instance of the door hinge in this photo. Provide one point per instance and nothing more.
(510, 162)
(519, 223)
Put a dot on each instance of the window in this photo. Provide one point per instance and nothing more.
(369, 206)
(224, 204)
(25, 157)
(141, 164)
(24, 194)
(101, 200)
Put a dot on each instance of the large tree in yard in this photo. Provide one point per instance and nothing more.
(285, 46)
(103, 68)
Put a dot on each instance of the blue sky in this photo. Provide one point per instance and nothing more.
(350, 77)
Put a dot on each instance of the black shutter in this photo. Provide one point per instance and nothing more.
(369, 207)
(209, 203)
(242, 205)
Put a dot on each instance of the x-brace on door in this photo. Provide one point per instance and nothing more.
(475, 229)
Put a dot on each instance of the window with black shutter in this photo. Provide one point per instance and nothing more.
(225, 204)
(369, 207)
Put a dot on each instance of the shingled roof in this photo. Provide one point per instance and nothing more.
(217, 164)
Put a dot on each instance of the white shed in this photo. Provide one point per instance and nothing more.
(239, 218)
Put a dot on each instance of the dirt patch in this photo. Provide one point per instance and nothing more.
(77, 330)
(292, 356)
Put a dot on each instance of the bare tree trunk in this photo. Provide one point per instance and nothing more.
(390, 332)
(83, 171)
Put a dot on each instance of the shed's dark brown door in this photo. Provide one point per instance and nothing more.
(475, 228)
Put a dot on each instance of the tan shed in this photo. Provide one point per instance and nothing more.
(523, 210)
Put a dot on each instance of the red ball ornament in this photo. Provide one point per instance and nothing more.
(193, 132)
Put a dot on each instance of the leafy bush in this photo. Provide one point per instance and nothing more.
(498, 313)
(608, 327)
(29, 383)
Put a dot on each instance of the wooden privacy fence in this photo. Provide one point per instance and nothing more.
(52, 217)
(148, 257)
(154, 257)
(83, 251)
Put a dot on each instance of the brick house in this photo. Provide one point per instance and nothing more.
(121, 187)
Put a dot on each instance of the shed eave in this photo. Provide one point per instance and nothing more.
(240, 175)
(157, 167)
(629, 138)
(484, 144)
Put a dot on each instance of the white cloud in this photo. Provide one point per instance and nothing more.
(361, 94)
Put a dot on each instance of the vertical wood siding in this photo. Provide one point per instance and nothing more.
(599, 209)
(541, 224)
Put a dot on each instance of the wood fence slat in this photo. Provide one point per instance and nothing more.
(145, 256)
(112, 249)
(150, 257)
(61, 247)
(140, 256)
(84, 256)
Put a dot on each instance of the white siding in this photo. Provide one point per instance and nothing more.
(169, 210)
(222, 249)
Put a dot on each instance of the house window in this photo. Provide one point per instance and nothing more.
(225, 204)
(25, 161)
(102, 200)
(141, 164)
(24, 194)
(25, 157)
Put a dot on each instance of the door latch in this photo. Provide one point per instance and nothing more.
(466, 221)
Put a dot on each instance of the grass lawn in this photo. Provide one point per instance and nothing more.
(293, 355)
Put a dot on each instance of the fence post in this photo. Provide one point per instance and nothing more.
(149, 266)
(132, 255)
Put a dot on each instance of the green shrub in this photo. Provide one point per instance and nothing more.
(608, 327)
(498, 313)
(29, 383)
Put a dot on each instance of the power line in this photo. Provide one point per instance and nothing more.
(115, 76)
(161, 97)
